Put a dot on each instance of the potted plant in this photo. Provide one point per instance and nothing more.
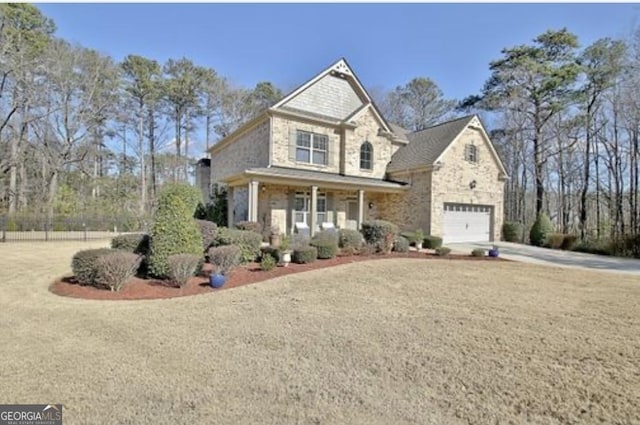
(494, 252)
(274, 236)
(418, 238)
(285, 252)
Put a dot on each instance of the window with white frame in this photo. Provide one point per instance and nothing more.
(471, 153)
(311, 148)
(366, 156)
(302, 207)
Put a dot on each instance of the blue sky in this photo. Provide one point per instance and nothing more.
(386, 44)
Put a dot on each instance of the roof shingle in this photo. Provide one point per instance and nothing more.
(427, 145)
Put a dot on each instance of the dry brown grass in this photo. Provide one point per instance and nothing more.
(383, 342)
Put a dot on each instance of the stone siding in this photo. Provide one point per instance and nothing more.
(367, 130)
(248, 150)
(412, 209)
(283, 138)
(451, 183)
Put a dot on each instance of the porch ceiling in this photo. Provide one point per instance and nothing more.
(297, 177)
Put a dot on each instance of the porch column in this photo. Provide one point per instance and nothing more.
(253, 200)
(230, 207)
(313, 209)
(360, 208)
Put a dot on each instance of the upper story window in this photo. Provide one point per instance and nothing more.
(311, 148)
(471, 153)
(366, 156)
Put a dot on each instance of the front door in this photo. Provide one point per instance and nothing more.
(352, 215)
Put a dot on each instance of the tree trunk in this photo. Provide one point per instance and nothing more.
(152, 153)
(143, 171)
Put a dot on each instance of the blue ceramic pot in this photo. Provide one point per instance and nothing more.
(217, 280)
(494, 252)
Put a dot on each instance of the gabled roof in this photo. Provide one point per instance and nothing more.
(426, 146)
(343, 70)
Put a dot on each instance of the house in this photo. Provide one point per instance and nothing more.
(324, 156)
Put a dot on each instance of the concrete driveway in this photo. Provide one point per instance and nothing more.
(535, 255)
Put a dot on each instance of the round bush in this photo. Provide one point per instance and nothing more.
(478, 252)
(249, 242)
(326, 243)
(540, 230)
(401, 244)
(443, 251)
(380, 233)
(225, 258)
(114, 269)
(138, 243)
(174, 230)
(251, 226)
(303, 255)
(511, 231)
(208, 230)
(84, 264)
(349, 238)
(432, 242)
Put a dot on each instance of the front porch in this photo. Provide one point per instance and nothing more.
(306, 202)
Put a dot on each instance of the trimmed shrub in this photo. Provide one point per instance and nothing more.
(380, 233)
(443, 251)
(401, 244)
(432, 242)
(511, 231)
(250, 226)
(137, 243)
(182, 267)
(554, 240)
(478, 252)
(114, 269)
(599, 247)
(304, 255)
(632, 245)
(368, 249)
(249, 242)
(276, 253)
(225, 258)
(174, 230)
(348, 251)
(540, 229)
(326, 242)
(569, 242)
(298, 240)
(85, 264)
(418, 236)
(208, 230)
(267, 263)
(349, 238)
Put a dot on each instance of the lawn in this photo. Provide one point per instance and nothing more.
(381, 342)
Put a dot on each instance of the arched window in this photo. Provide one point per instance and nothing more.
(366, 156)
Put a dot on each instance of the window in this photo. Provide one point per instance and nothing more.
(471, 153)
(311, 148)
(366, 156)
(302, 208)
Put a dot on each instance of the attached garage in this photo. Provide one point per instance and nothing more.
(466, 223)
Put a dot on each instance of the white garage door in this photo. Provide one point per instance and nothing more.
(466, 223)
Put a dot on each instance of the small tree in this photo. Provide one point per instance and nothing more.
(540, 229)
(174, 230)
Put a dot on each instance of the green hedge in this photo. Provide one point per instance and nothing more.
(174, 230)
(138, 243)
(303, 255)
(380, 233)
(511, 231)
(432, 242)
(249, 242)
(443, 251)
(478, 252)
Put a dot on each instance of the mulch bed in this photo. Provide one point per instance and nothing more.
(143, 289)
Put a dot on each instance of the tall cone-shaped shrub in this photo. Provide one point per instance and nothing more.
(174, 230)
(541, 228)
